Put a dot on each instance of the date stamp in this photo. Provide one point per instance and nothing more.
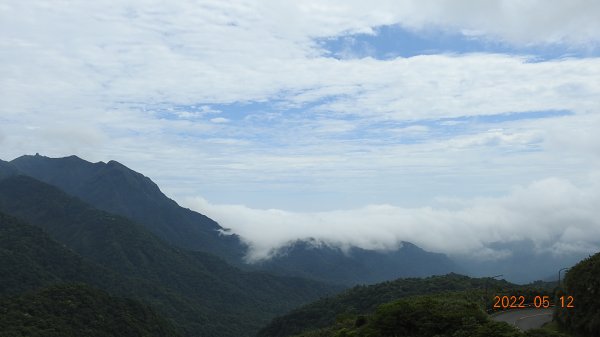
(538, 302)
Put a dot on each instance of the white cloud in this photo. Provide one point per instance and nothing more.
(518, 22)
(92, 76)
(497, 137)
(223, 52)
(556, 215)
(219, 120)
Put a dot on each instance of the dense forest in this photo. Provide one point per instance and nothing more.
(364, 300)
(453, 314)
(77, 310)
(74, 242)
(582, 282)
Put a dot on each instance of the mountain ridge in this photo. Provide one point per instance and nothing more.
(328, 263)
(208, 289)
(117, 189)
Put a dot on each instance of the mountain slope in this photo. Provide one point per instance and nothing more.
(114, 188)
(363, 300)
(78, 310)
(7, 169)
(29, 259)
(582, 282)
(212, 293)
(357, 266)
(442, 315)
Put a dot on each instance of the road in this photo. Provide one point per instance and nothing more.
(525, 319)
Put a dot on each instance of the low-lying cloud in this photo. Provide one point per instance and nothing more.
(557, 215)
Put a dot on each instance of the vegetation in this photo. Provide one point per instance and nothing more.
(78, 310)
(364, 300)
(201, 293)
(29, 259)
(441, 315)
(583, 283)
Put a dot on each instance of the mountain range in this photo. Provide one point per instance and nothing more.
(59, 238)
(114, 188)
(356, 265)
(77, 257)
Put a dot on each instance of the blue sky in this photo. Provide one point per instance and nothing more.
(270, 115)
(391, 41)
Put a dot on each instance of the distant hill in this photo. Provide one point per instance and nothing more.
(114, 188)
(201, 293)
(320, 318)
(357, 266)
(78, 310)
(117, 189)
(442, 315)
(582, 282)
(524, 264)
(362, 300)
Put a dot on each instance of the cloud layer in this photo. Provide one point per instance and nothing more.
(557, 216)
(241, 102)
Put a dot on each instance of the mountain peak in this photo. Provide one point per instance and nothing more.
(38, 157)
(115, 188)
(114, 163)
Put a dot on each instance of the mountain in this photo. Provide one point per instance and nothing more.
(78, 310)
(201, 293)
(357, 266)
(114, 188)
(117, 189)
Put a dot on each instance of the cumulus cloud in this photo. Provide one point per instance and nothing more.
(556, 215)
(224, 52)
(219, 120)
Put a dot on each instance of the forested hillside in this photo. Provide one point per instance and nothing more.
(29, 259)
(452, 314)
(199, 292)
(78, 310)
(582, 282)
(364, 300)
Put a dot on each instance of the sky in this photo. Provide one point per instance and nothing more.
(454, 125)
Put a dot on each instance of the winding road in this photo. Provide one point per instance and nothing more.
(525, 319)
